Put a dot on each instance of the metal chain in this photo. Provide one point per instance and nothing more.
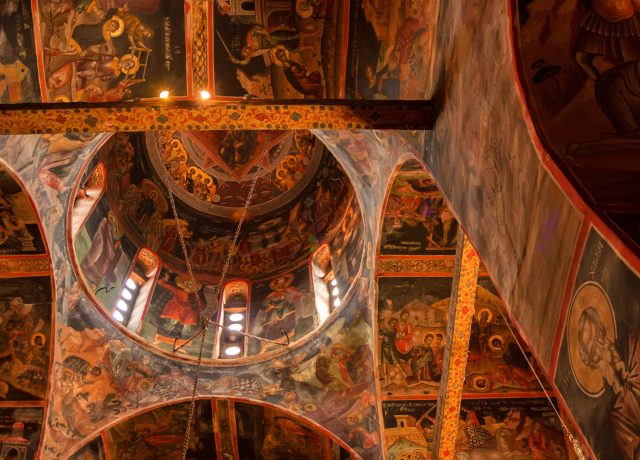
(206, 317)
(575, 444)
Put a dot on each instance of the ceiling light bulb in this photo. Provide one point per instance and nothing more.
(334, 282)
(335, 291)
(336, 303)
(126, 294)
(164, 94)
(232, 351)
(131, 284)
(235, 317)
(204, 95)
(235, 327)
(118, 316)
(122, 305)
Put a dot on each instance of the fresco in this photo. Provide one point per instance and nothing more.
(509, 428)
(269, 434)
(391, 49)
(18, 63)
(578, 70)
(92, 451)
(409, 429)
(173, 312)
(20, 430)
(416, 219)
(282, 304)
(159, 434)
(597, 366)
(107, 51)
(25, 337)
(19, 230)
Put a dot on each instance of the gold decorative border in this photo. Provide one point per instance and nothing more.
(19, 267)
(415, 265)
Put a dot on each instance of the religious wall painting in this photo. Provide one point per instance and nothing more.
(92, 451)
(280, 50)
(25, 337)
(102, 51)
(416, 219)
(509, 428)
(269, 434)
(391, 49)
(409, 428)
(347, 245)
(20, 430)
(579, 70)
(174, 313)
(18, 65)
(19, 230)
(411, 333)
(282, 309)
(160, 432)
(598, 359)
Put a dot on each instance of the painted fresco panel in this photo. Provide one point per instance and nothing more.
(597, 366)
(173, 312)
(92, 451)
(18, 64)
(160, 433)
(107, 51)
(25, 338)
(19, 230)
(509, 428)
(409, 428)
(416, 219)
(20, 431)
(283, 303)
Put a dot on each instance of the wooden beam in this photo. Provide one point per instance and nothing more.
(461, 310)
(216, 115)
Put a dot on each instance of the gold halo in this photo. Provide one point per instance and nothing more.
(475, 383)
(429, 333)
(281, 282)
(32, 339)
(185, 283)
(589, 295)
(487, 311)
(494, 337)
(136, 64)
(120, 29)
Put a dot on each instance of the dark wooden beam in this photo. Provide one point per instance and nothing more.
(214, 115)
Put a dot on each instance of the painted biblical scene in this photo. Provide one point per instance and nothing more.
(92, 451)
(103, 253)
(599, 356)
(269, 434)
(25, 337)
(108, 51)
(579, 64)
(174, 313)
(509, 428)
(281, 49)
(409, 428)
(391, 49)
(19, 230)
(20, 430)
(416, 219)
(412, 315)
(282, 308)
(159, 433)
(18, 65)
(278, 230)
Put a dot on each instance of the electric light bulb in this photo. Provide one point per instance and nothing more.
(122, 305)
(118, 316)
(126, 294)
(232, 351)
(164, 94)
(235, 317)
(204, 95)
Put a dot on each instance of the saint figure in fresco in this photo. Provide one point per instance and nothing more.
(404, 336)
(278, 310)
(101, 260)
(388, 352)
(598, 352)
(423, 362)
(179, 310)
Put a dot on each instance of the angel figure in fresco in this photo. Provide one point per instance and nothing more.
(597, 351)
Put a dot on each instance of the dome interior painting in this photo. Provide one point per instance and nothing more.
(284, 229)
(303, 220)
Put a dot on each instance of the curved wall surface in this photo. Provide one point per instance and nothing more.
(561, 271)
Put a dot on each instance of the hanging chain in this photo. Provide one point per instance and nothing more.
(205, 314)
(575, 444)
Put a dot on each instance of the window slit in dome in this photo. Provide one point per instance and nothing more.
(135, 293)
(87, 197)
(234, 316)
